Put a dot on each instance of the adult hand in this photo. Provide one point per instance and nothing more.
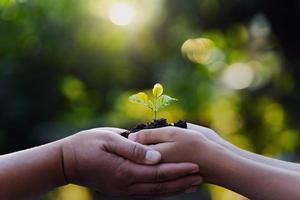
(107, 162)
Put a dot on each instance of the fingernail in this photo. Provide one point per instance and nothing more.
(132, 136)
(197, 182)
(195, 170)
(190, 190)
(152, 157)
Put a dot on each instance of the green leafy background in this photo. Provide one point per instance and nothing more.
(64, 67)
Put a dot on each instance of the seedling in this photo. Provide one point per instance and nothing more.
(158, 102)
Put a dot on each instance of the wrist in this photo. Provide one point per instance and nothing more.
(68, 161)
(214, 162)
(59, 167)
(229, 146)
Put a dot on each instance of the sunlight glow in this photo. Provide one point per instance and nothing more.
(199, 50)
(121, 14)
(238, 76)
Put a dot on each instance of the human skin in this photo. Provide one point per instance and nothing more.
(221, 166)
(212, 135)
(98, 158)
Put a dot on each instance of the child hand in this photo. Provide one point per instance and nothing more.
(181, 145)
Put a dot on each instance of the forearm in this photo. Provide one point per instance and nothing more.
(32, 172)
(213, 136)
(262, 159)
(253, 179)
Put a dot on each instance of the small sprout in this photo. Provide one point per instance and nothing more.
(160, 100)
(157, 90)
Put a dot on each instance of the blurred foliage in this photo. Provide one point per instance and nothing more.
(64, 66)
(67, 192)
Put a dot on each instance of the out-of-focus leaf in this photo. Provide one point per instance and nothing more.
(164, 101)
(139, 98)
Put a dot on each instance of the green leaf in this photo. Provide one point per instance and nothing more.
(139, 98)
(164, 100)
(157, 90)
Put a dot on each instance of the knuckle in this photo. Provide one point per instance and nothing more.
(107, 136)
(82, 133)
(137, 152)
(142, 136)
(172, 132)
(212, 132)
(160, 174)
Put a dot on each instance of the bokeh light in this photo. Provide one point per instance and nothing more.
(199, 50)
(73, 192)
(238, 76)
(72, 65)
(121, 14)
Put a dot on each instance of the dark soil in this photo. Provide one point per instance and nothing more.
(154, 124)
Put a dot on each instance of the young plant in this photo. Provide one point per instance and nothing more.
(158, 102)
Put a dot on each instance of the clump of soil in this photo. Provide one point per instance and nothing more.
(159, 123)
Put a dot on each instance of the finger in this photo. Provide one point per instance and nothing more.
(162, 172)
(198, 128)
(191, 189)
(133, 151)
(154, 136)
(112, 129)
(168, 187)
(167, 153)
(209, 133)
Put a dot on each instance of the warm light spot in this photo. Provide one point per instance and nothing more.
(121, 14)
(73, 192)
(273, 116)
(199, 50)
(224, 116)
(238, 76)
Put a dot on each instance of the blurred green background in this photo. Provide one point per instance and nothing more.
(69, 65)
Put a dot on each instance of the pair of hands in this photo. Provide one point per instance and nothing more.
(196, 144)
(107, 162)
(153, 162)
(159, 162)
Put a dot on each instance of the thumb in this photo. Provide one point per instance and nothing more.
(133, 151)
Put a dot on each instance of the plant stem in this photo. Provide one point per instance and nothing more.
(155, 108)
